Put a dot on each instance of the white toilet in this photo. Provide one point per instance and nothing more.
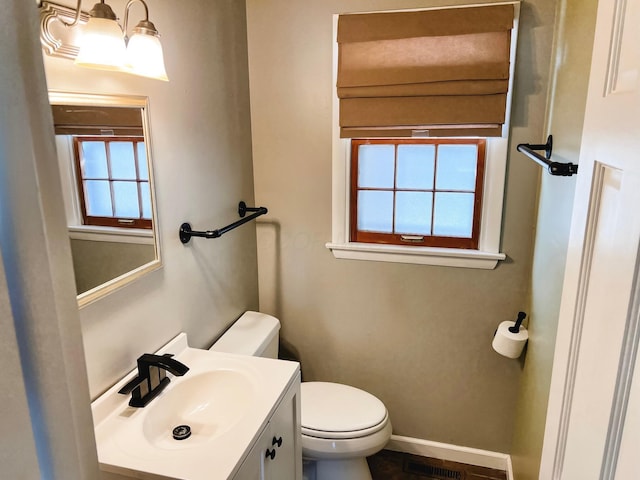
(341, 425)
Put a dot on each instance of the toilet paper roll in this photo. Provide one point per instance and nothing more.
(507, 343)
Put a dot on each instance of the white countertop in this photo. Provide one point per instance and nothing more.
(124, 446)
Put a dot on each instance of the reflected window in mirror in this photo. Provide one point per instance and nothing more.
(113, 181)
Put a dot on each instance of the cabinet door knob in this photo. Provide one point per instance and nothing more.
(270, 454)
(277, 441)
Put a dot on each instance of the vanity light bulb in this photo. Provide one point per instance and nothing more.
(144, 56)
(101, 45)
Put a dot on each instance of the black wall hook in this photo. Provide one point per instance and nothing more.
(186, 233)
(554, 168)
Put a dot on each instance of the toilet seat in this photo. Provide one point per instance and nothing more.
(336, 411)
(346, 434)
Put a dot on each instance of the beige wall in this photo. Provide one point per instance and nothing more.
(200, 142)
(418, 337)
(572, 59)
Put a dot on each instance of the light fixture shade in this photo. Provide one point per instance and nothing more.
(102, 45)
(144, 56)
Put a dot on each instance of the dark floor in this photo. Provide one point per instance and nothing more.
(388, 465)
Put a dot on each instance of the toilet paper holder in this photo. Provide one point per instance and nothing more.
(518, 324)
(515, 328)
(511, 337)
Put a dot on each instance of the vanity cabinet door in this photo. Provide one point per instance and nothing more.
(283, 451)
(277, 454)
(252, 466)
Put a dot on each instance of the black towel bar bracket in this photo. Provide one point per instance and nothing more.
(554, 168)
(186, 233)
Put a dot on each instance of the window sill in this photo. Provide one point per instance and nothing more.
(111, 234)
(444, 257)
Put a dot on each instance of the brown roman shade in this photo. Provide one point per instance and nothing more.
(438, 72)
(92, 120)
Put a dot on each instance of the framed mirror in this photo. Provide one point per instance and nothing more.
(106, 170)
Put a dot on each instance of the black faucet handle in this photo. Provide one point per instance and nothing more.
(161, 361)
(136, 382)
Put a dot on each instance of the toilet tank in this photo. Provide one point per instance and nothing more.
(254, 334)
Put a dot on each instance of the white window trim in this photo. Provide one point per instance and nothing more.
(111, 234)
(488, 254)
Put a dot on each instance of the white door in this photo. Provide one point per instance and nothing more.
(593, 420)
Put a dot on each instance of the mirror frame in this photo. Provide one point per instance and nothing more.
(70, 98)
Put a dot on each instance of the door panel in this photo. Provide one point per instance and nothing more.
(603, 316)
(593, 426)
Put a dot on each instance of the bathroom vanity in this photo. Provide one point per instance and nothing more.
(275, 455)
(242, 414)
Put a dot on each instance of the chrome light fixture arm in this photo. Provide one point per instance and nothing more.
(99, 10)
(144, 26)
(76, 20)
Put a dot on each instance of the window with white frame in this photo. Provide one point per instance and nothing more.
(421, 115)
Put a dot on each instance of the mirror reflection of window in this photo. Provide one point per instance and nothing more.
(113, 181)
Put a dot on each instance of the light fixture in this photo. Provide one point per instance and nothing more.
(144, 52)
(103, 43)
(102, 40)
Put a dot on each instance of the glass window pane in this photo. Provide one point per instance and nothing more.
(457, 167)
(98, 198)
(94, 160)
(375, 211)
(376, 166)
(413, 212)
(143, 168)
(123, 165)
(126, 199)
(415, 166)
(145, 194)
(453, 214)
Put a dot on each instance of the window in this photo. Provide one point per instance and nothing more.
(113, 181)
(419, 192)
(434, 84)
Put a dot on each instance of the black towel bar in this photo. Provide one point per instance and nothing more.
(186, 233)
(554, 168)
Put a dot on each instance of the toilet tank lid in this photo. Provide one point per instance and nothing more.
(249, 335)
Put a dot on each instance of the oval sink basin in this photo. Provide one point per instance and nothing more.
(210, 403)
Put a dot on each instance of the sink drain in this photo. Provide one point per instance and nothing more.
(181, 432)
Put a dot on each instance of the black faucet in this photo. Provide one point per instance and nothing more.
(152, 378)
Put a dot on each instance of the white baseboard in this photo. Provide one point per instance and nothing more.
(453, 453)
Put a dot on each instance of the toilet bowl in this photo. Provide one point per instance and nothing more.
(341, 425)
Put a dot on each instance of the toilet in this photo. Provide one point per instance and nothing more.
(341, 425)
